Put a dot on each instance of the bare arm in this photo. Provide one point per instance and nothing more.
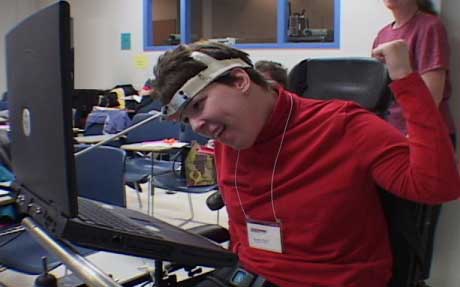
(435, 81)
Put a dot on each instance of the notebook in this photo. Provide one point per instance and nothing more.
(39, 58)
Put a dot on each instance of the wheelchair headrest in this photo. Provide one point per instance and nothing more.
(362, 80)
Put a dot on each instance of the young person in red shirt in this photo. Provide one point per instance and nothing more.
(299, 176)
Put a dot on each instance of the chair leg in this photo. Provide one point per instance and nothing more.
(190, 205)
(192, 213)
(138, 189)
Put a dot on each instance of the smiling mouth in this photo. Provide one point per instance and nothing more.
(216, 134)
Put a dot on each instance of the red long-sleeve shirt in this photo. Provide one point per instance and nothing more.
(334, 154)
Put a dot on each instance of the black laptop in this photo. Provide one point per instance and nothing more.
(39, 58)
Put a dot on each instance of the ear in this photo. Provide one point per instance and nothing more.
(243, 81)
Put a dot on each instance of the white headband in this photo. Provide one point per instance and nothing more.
(194, 85)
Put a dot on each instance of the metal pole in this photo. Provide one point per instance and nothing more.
(81, 267)
(154, 116)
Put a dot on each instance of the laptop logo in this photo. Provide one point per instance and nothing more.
(26, 122)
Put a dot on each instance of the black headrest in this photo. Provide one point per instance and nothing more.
(362, 80)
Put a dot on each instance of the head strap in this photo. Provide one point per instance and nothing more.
(195, 84)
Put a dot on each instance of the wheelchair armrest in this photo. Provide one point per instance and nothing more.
(213, 232)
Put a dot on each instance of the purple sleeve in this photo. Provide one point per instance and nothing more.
(432, 48)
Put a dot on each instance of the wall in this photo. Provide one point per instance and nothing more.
(11, 12)
(99, 62)
(248, 21)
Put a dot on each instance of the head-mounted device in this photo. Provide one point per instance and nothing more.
(197, 83)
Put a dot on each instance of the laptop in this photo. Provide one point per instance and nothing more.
(39, 58)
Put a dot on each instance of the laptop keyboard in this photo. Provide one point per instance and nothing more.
(93, 213)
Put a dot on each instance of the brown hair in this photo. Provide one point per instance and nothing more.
(276, 71)
(426, 6)
(175, 67)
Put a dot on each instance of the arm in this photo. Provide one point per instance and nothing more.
(435, 81)
(421, 168)
(432, 58)
(424, 170)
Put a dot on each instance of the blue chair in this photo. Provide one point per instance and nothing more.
(106, 121)
(99, 177)
(139, 167)
(94, 124)
(188, 135)
(148, 104)
(176, 181)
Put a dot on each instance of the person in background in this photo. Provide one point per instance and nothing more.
(416, 22)
(148, 101)
(273, 72)
(299, 176)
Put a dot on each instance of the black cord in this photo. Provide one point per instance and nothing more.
(178, 157)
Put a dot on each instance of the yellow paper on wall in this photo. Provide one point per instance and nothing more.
(141, 61)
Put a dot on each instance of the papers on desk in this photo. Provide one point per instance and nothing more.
(136, 98)
(6, 200)
(4, 192)
(164, 144)
(5, 184)
(5, 127)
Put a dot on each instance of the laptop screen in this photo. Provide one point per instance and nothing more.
(40, 82)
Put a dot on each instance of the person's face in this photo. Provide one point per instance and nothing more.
(397, 4)
(224, 113)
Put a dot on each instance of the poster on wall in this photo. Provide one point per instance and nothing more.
(126, 41)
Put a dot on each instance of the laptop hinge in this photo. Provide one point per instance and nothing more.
(43, 213)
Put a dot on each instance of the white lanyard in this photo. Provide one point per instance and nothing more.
(273, 172)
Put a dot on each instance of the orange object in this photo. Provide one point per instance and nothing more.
(169, 141)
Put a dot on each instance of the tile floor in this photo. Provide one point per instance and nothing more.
(172, 208)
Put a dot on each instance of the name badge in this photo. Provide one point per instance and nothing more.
(265, 235)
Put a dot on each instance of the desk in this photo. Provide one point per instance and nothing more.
(92, 139)
(5, 127)
(152, 147)
(77, 131)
